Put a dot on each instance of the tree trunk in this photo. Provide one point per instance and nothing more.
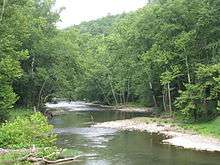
(3, 10)
(40, 93)
(120, 96)
(164, 100)
(123, 96)
(33, 100)
(205, 106)
(153, 95)
(128, 93)
(103, 93)
(188, 72)
(113, 91)
(169, 99)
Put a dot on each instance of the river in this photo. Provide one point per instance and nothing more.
(103, 146)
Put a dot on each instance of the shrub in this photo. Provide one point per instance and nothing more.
(19, 112)
(13, 158)
(199, 101)
(24, 132)
(7, 99)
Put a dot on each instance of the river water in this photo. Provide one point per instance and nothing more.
(102, 146)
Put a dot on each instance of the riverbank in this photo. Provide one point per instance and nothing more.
(63, 107)
(205, 136)
(27, 138)
(175, 134)
(135, 109)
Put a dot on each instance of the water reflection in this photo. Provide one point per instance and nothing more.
(111, 147)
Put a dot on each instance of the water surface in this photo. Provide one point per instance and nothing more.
(103, 146)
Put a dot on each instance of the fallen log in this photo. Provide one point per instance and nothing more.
(71, 159)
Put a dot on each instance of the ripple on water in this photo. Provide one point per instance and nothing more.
(73, 106)
(87, 131)
(96, 137)
(104, 146)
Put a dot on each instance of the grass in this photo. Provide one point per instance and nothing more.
(13, 158)
(211, 128)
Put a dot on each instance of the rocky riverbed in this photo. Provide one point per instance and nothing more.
(175, 135)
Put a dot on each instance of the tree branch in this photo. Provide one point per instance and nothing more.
(3, 10)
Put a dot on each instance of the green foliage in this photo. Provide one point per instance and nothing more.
(7, 99)
(169, 76)
(14, 158)
(101, 26)
(50, 153)
(24, 25)
(194, 101)
(189, 101)
(165, 54)
(210, 128)
(24, 132)
(19, 112)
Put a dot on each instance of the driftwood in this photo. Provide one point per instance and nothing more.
(45, 161)
(38, 161)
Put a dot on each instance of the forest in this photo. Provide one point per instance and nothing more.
(164, 55)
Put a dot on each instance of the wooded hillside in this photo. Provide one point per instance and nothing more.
(166, 55)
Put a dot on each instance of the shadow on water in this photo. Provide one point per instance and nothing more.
(105, 146)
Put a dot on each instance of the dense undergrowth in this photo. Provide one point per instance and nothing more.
(27, 132)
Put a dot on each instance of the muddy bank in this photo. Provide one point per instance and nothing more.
(175, 135)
